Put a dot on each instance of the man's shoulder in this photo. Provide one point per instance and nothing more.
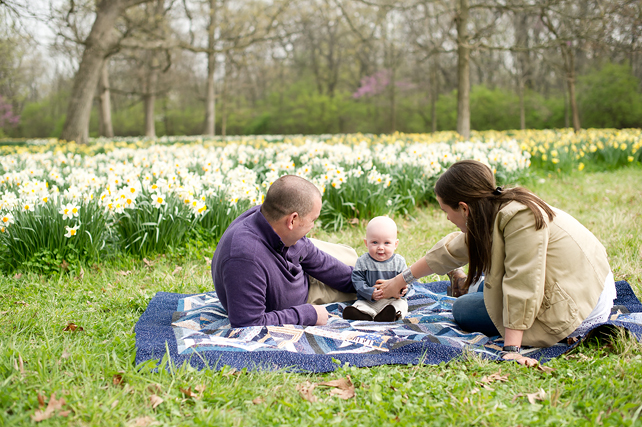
(242, 239)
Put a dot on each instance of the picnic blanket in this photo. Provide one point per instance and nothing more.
(195, 329)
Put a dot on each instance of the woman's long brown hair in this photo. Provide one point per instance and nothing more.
(473, 183)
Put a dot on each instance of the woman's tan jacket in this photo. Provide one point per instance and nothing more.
(544, 282)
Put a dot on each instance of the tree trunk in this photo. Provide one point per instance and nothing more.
(393, 103)
(463, 71)
(98, 45)
(149, 99)
(224, 99)
(573, 101)
(567, 119)
(522, 110)
(433, 97)
(569, 63)
(106, 128)
(210, 103)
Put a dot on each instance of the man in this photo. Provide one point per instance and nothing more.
(261, 265)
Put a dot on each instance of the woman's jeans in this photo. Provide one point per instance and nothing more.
(470, 313)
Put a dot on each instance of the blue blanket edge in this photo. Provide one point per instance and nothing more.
(155, 338)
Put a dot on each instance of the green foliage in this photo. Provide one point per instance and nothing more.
(219, 215)
(129, 121)
(37, 240)
(43, 119)
(356, 199)
(148, 229)
(610, 98)
(493, 109)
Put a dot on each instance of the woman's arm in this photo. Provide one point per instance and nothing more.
(513, 337)
(392, 288)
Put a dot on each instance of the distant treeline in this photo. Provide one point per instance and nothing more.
(608, 98)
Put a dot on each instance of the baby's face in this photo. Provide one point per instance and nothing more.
(381, 242)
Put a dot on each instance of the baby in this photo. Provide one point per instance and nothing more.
(380, 262)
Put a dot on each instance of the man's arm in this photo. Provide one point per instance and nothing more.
(245, 285)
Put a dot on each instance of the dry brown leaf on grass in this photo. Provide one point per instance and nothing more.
(73, 328)
(485, 381)
(147, 262)
(143, 422)
(258, 400)
(546, 369)
(26, 304)
(53, 405)
(155, 401)
(18, 276)
(117, 379)
(231, 372)
(344, 387)
(579, 356)
(532, 397)
(65, 354)
(189, 393)
(154, 388)
(19, 365)
(176, 270)
(306, 391)
(81, 275)
(124, 273)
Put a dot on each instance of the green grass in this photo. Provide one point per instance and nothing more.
(93, 369)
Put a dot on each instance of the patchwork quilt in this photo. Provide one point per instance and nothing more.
(195, 329)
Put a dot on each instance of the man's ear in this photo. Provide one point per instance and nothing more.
(290, 220)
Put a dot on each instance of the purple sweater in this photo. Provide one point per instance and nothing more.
(261, 282)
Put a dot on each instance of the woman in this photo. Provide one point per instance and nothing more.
(546, 277)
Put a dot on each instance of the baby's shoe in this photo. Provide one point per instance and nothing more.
(388, 314)
(352, 313)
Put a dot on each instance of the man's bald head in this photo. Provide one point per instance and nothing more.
(289, 194)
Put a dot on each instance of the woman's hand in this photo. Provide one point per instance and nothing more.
(392, 288)
(522, 360)
(513, 337)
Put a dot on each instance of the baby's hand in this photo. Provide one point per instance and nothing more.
(404, 291)
(377, 294)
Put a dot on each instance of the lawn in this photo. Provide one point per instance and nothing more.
(71, 337)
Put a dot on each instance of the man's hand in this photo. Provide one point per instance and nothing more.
(322, 315)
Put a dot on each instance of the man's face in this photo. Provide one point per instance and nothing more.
(302, 225)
